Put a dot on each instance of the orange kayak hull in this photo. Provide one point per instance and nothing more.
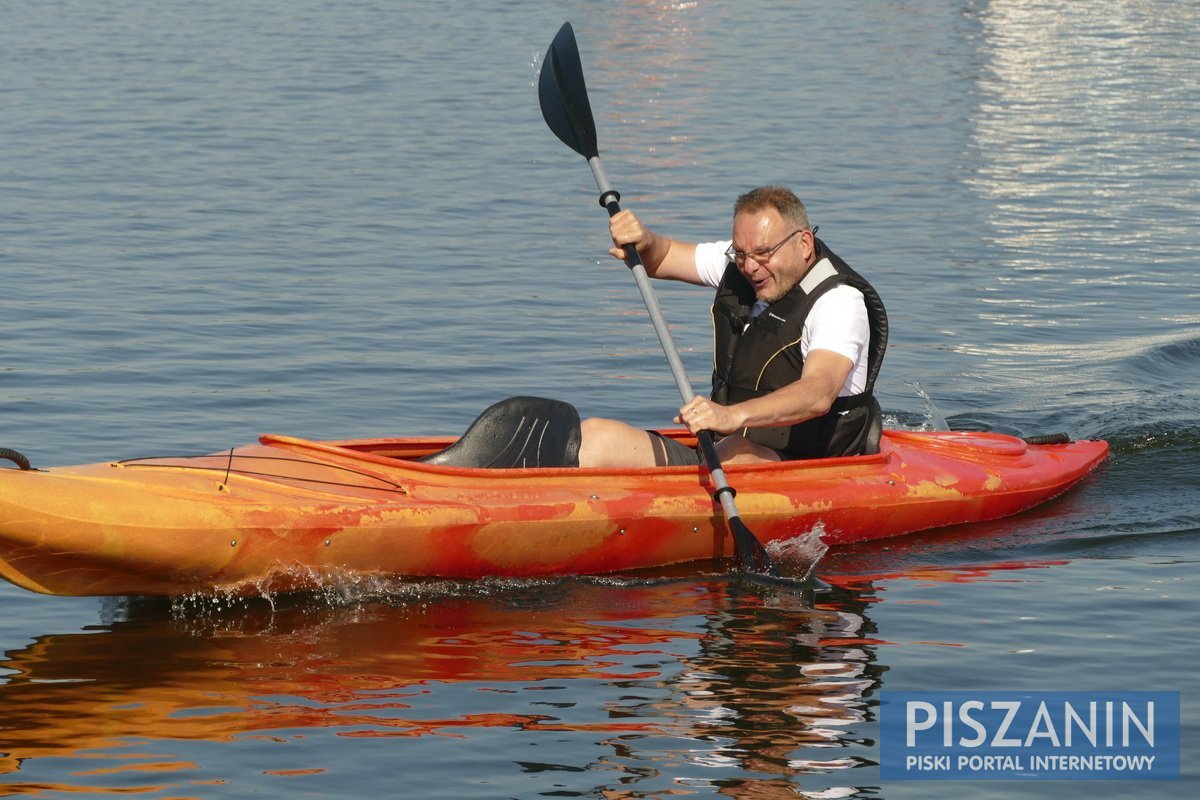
(290, 514)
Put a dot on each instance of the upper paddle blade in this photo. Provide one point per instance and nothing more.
(563, 95)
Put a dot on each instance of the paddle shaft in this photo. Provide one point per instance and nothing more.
(609, 198)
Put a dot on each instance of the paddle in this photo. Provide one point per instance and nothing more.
(564, 100)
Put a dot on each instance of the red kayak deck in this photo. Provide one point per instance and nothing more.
(292, 514)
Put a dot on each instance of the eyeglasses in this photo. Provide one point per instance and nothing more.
(761, 256)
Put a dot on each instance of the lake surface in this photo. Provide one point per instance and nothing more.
(349, 219)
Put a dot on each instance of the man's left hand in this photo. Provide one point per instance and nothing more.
(702, 414)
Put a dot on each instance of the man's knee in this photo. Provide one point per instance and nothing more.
(609, 442)
(597, 440)
(599, 431)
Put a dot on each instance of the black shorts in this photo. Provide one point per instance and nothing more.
(670, 453)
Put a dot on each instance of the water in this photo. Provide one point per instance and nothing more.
(349, 219)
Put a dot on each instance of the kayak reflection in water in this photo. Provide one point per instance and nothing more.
(746, 685)
(799, 339)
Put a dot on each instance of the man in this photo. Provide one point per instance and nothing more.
(799, 338)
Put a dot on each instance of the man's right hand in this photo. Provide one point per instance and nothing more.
(662, 257)
(625, 228)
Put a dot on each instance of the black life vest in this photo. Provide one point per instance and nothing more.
(754, 356)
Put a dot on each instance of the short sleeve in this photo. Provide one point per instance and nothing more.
(838, 322)
(711, 262)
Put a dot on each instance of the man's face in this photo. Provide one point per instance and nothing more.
(776, 255)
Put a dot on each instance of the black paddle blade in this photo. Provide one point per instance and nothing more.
(563, 95)
(751, 555)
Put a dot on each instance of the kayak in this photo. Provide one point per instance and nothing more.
(291, 514)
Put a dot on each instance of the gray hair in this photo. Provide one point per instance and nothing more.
(780, 198)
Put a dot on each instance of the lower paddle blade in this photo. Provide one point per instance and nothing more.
(751, 555)
(563, 95)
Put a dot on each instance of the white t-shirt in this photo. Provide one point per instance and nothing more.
(837, 322)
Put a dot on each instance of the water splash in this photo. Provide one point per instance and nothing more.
(936, 421)
(799, 555)
(535, 63)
